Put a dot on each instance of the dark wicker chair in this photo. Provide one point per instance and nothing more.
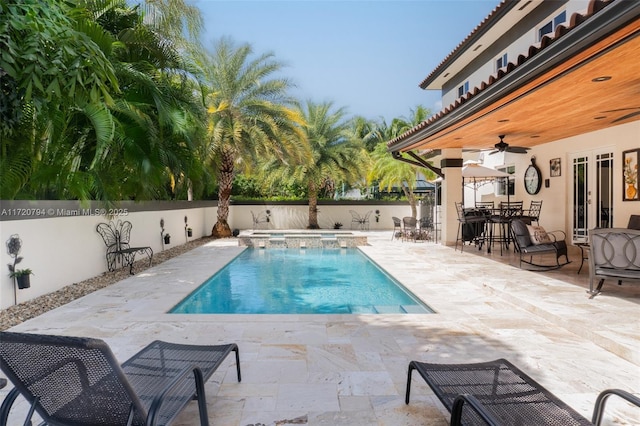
(78, 381)
(498, 393)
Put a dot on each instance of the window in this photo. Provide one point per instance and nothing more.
(501, 62)
(551, 26)
(463, 89)
(501, 184)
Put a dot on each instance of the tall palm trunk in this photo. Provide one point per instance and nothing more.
(225, 183)
(313, 206)
(412, 200)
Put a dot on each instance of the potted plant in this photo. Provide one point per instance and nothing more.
(189, 232)
(22, 277)
(14, 245)
(337, 225)
(167, 239)
(377, 215)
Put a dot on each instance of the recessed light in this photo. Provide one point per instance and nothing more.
(503, 121)
(458, 138)
(601, 78)
(600, 117)
(477, 47)
(535, 136)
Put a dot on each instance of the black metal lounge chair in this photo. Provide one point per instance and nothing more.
(525, 246)
(498, 393)
(78, 381)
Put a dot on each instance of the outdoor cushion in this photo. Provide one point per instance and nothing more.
(538, 235)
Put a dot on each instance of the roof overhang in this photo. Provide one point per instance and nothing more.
(553, 93)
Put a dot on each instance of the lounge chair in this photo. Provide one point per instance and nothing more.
(498, 393)
(78, 381)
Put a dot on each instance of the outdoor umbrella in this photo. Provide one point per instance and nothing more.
(479, 175)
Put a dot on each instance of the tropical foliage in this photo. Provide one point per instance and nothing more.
(110, 100)
(249, 117)
(336, 156)
(390, 173)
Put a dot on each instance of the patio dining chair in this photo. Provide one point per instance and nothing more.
(78, 381)
(410, 228)
(397, 228)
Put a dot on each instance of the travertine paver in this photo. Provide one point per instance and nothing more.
(351, 369)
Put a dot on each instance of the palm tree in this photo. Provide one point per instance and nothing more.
(390, 172)
(335, 155)
(249, 116)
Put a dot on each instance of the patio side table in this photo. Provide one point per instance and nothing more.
(584, 253)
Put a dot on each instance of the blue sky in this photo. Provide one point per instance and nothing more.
(365, 56)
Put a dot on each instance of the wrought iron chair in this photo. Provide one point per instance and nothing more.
(508, 211)
(499, 393)
(261, 220)
(356, 219)
(116, 237)
(471, 227)
(533, 214)
(365, 220)
(78, 381)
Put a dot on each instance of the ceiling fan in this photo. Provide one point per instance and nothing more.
(502, 146)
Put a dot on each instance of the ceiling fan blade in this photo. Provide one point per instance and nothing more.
(518, 149)
(494, 152)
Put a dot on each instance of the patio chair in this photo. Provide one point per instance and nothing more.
(533, 214)
(261, 220)
(397, 228)
(78, 381)
(356, 219)
(634, 222)
(499, 393)
(471, 226)
(116, 237)
(533, 241)
(410, 231)
(614, 254)
(365, 220)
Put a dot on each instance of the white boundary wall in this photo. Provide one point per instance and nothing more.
(61, 245)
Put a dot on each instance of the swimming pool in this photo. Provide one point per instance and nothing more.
(295, 281)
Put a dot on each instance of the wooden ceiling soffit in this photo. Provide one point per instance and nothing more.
(554, 62)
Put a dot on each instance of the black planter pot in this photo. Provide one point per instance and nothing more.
(24, 281)
(167, 239)
(189, 233)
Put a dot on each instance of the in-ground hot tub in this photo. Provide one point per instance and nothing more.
(301, 239)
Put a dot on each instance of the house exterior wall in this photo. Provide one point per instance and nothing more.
(557, 199)
(514, 42)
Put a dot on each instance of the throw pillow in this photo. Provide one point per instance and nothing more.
(538, 235)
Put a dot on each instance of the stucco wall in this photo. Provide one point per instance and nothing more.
(557, 199)
(60, 243)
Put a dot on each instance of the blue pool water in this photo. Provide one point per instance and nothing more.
(294, 281)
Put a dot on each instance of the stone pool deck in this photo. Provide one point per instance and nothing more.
(351, 369)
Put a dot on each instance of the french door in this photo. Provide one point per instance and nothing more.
(592, 201)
